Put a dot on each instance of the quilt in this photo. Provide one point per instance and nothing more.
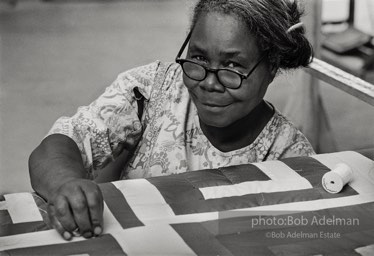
(268, 208)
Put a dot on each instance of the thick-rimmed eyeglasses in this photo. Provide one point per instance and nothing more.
(229, 78)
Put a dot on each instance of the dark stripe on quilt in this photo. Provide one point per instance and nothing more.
(312, 170)
(5, 218)
(21, 228)
(182, 192)
(216, 177)
(119, 207)
(201, 241)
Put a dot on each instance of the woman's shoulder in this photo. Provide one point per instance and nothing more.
(150, 71)
(289, 137)
(157, 75)
(282, 122)
(279, 132)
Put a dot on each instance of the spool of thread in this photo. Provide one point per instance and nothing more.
(334, 180)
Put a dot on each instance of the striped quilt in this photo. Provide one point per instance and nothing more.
(267, 208)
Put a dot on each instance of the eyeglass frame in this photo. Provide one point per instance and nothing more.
(213, 70)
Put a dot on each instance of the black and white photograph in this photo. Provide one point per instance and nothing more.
(186, 127)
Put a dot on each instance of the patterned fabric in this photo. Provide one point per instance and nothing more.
(168, 139)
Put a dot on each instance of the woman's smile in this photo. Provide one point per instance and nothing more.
(212, 107)
(209, 104)
(213, 103)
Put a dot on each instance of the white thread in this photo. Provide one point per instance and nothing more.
(76, 232)
(293, 27)
(334, 181)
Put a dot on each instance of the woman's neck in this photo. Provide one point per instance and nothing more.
(241, 133)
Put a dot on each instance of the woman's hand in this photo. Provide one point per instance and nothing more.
(77, 206)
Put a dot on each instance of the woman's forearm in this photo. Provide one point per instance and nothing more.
(55, 161)
(75, 204)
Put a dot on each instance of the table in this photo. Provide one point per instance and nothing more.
(267, 208)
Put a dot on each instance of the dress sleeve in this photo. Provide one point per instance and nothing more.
(289, 141)
(110, 123)
(299, 146)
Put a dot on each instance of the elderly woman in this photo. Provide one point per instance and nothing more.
(204, 111)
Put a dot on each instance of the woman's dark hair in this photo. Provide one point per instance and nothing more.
(268, 21)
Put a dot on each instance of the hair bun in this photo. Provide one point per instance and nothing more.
(298, 50)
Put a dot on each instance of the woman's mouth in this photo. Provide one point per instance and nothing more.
(209, 104)
(213, 107)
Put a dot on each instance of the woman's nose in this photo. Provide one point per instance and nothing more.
(211, 83)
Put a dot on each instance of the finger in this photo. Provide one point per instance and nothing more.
(63, 213)
(96, 205)
(56, 224)
(81, 215)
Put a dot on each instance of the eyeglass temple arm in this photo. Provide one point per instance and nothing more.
(184, 45)
(255, 66)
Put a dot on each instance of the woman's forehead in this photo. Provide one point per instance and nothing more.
(223, 31)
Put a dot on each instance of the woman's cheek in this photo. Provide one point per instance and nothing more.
(188, 82)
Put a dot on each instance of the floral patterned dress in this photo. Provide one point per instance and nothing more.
(168, 138)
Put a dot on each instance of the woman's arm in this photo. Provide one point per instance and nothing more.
(55, 161)
(57, 173)
(113, 170)
(83, 147)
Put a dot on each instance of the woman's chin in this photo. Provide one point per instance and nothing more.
(214, 121)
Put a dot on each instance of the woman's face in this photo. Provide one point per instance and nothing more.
(218, 41)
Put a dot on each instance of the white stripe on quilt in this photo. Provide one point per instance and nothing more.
(33, 239)
(254, 187)
(110, 222)
(152, 240)
(277, 170)
(144, 199)
(283, 178)
(22, 208)
(366, 251)
(362, 167)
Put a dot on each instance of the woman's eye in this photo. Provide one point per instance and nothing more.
(233, 65)
(199, 58)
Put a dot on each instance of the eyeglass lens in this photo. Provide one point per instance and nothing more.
(194, 71)
(198, 72)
